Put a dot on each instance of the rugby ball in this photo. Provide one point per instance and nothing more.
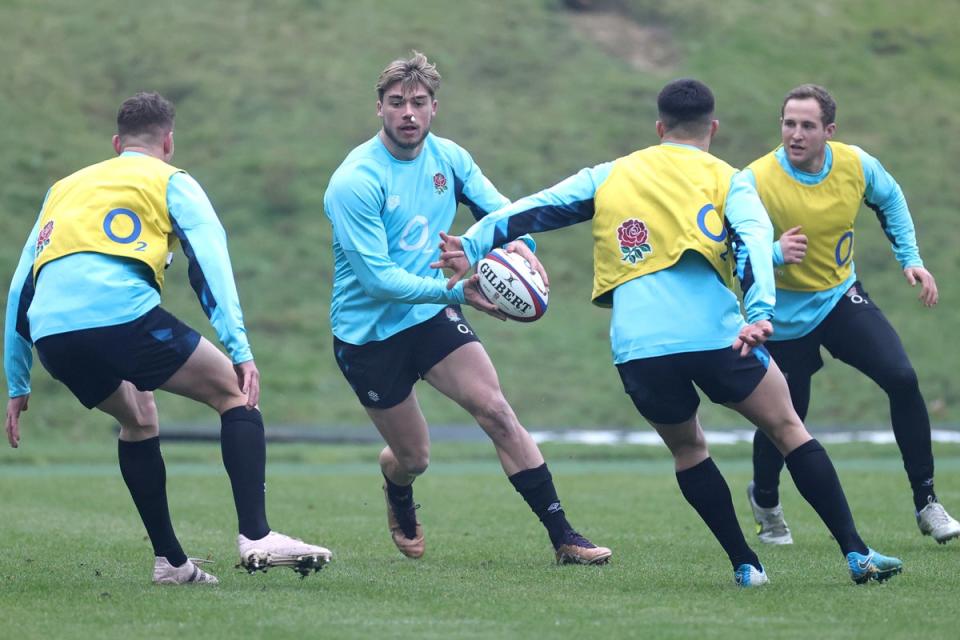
(508, 281)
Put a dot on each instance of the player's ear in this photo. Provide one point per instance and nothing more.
(830, 129)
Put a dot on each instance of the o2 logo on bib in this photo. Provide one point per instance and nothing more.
(708, 223)
(844, 249)
(123, 226)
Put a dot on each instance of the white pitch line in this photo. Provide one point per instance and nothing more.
(608, 437)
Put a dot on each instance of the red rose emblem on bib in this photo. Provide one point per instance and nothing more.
(43, 238)
(632, 235)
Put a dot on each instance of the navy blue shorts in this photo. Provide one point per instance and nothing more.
(662, 387)
(383, 372)
(93, 362)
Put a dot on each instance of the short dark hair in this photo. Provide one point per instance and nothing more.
(146, 113)
(828, 106)
(686, 104)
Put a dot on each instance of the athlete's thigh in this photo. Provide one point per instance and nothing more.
(859, 334)
(769, 403)
(207, 376)
(466, 376)
(682, 436)
(134, 410)
(403, 426)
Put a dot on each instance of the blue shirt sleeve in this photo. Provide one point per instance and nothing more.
(479, 194)
(564, 204)
(17, 346)
(884, 196)
(753, 239)
(211, 275)
(354, 202)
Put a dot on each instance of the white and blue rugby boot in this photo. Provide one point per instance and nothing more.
(873, 566)
(747, 576)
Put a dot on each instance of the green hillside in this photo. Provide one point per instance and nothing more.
(271, 97)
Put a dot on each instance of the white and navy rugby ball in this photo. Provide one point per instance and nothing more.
(508, 281)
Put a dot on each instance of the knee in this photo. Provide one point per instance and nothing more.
(900, 380)
(414, 463)
(496, 417)
(143, 421)
(694, 447)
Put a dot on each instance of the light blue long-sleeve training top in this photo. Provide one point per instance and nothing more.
(387, 215)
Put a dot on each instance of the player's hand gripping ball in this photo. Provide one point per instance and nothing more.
(508, 281)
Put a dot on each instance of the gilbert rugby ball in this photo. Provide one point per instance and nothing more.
(508, 281)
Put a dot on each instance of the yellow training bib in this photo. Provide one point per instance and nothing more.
(117, 207)
(826, 211)
(656, 204)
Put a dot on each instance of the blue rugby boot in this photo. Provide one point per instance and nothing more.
(747, 576)
(873, 566)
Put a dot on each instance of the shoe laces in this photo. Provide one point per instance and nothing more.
(937, 515)
(575, 539)
(407, 520)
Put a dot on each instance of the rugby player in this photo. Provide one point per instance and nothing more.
(86, 294)
(393, 319)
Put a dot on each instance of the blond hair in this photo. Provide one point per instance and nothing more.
(416, 70)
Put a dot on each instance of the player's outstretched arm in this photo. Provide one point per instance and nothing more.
(248, 378)
(15, 406)
(928, 285)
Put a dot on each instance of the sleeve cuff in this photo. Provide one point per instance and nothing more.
(777, 254)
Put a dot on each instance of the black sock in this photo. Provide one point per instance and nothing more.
(817, 481)
(142, 468)
(536, 487)
(401, 497)
(404, 510)
(244, 449)
(767, 463)
(705, 489)
(923, 494)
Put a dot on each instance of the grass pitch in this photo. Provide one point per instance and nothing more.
(76, 562)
